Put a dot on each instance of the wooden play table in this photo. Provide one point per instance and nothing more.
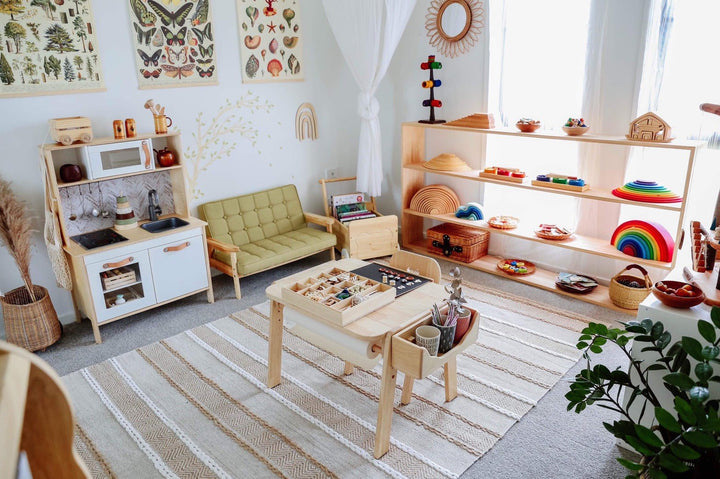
(389, 330)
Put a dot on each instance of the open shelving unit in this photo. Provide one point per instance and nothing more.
(413, 222)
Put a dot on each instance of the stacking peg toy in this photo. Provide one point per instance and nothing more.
(431, 84)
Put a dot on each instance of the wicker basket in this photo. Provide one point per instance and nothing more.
(628, 297)
(30, 325)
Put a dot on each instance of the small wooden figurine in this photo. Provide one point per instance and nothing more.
(649, 127)
(71, 129)
(431, 65)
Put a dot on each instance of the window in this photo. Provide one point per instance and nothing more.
(537, 70)
(679, 75)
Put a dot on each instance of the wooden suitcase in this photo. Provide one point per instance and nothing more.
(462, 243)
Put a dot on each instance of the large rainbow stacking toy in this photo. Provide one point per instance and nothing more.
(647, 192)
(644, 239)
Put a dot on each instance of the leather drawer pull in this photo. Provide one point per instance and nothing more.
(176, 248)
(119, 263)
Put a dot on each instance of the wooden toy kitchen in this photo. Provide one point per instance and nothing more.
(120, 263)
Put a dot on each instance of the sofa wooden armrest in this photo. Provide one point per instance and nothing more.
(320, 220)
(231, 269)
(219, 245)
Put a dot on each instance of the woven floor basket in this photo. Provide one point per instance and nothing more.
(30, 325)
(628, 297)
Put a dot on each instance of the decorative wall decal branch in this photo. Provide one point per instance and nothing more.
(215, 139)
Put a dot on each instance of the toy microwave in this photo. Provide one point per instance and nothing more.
(114, 159)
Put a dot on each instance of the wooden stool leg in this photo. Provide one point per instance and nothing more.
(275, 344)
(385, 406)
(407, 389)
(349, 368)
(450, 373)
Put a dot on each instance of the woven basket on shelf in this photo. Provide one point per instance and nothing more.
(628, 297)
(30, 325)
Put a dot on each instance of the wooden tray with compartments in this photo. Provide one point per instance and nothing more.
(337, 296)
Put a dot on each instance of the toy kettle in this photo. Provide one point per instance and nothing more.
(165, 157)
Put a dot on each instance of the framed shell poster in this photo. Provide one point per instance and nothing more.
(174, 43)
(48, 47)
(270, 40)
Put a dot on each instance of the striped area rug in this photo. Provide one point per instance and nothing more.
(195, 405)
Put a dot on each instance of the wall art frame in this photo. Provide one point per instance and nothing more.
(48, 48)
(270, 40)
(173, 43)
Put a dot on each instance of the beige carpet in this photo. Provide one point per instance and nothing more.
(195, 405)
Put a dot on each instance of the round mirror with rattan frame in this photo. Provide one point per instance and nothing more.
(454, 45)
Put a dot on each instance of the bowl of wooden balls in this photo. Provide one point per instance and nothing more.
(678, 294)
(527, 125)
(575, 127)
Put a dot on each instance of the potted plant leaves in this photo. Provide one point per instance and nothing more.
(30, 318)
(684, 439)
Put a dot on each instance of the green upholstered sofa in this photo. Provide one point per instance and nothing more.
(259, 231)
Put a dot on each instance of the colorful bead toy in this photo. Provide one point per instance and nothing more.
(431, 84)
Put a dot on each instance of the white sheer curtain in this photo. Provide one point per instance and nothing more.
(367, 33)
(679, 74)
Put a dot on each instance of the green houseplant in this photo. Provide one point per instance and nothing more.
(28, 313)
(683, 441)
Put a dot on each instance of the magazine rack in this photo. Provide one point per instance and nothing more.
(366, 238)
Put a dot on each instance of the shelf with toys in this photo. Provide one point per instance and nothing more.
(592, 194)
(415, 167)
(584, 244)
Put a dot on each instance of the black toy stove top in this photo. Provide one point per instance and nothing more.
(404, 281)
(99, 238)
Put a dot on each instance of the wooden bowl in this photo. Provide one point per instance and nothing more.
(527, 127)
(675, 301)
(575, 130)
(530, 267)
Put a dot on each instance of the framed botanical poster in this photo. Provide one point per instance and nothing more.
(48, 47)
(174, 43)
(270, 40)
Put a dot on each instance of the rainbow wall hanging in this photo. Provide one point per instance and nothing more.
(644, 239)
(647, 192)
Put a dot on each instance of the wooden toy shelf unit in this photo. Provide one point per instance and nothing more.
(415, 223)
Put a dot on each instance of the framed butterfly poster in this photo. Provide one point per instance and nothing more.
(174, 44)
(48, 47)
(270, 40)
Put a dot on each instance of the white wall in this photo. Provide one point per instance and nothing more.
(328, 85)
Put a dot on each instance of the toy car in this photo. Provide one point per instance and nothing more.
(71, 129)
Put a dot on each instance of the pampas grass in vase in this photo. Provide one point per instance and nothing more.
(30, 319)
(16, 232)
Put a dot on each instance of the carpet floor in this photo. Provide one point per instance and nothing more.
(195, 404)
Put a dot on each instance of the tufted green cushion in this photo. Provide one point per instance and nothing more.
(268, 226)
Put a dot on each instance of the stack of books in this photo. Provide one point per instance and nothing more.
(350, 207)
